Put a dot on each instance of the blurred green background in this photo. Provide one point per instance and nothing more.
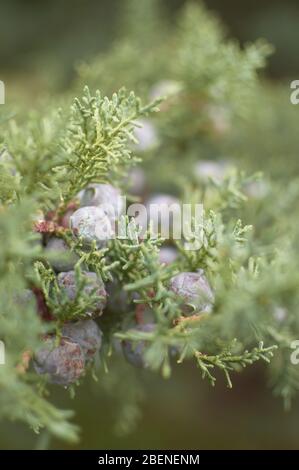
(45, 39)
(41, 41)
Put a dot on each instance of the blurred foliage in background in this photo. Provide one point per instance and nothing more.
(41, 45)
(47, 38)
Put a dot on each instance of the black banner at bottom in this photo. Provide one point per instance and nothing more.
(133, 458)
